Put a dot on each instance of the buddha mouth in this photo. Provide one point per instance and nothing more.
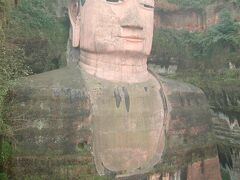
(132, 38)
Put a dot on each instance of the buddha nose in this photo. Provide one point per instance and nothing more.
(132, 19)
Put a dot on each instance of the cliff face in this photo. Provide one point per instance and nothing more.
(180, 19)
(225, 100)
(223, 90)
(169, 15)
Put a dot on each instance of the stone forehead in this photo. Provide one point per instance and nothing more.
(83, 1)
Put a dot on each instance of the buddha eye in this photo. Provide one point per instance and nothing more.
(115, 1)
(148, 6)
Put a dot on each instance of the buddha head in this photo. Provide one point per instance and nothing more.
(116, 33)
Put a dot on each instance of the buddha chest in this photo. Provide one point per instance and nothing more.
(127, 125)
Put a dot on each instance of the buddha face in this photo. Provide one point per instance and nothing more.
(113, 26)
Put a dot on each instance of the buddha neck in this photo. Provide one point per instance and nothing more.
(117, 67)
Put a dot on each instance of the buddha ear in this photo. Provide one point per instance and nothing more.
(74, 16)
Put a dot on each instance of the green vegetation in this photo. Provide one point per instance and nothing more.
(224, 35)
(204, 59)
(225, 174)
(43, 37)
(3, 176)
(212, 49)
(197, 4)
(169, 44)
(32, 40)
(237, 2)
(11, 67)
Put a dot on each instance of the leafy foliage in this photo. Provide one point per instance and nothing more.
(213, 48)
(236, 2)
(12, 63)
(12, 66)
(169, 44)
(43, 37)
(223, 35)
(3, 176)
(6, 152)
(31, 37)
(32, 15)
(4, 11)
(197, 4)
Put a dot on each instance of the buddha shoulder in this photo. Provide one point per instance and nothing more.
(61, 78)
(62, 83)
(183, 94)
(187, 105)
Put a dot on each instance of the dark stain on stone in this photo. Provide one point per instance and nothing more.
(83, 2)
(117, 97)
(127, 99)
(181, 100)
(184, 173)
(188, 102)
(185, 140)
(165, 106)
(197, 101)
(82, 144)
(202, 167)
(146, 89)
(108, 173)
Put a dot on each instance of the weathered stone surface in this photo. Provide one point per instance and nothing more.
(51, 127)
(235, 171)
(128, 125)
(208, 169)
(111, 116)
(190, 20)
(54, 135)
(170, 15)
(189, 135)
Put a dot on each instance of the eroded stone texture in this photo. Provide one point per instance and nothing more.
(208, 169)
(170, 15)
(128, 125)
(64, 117)
(189, 136)
(190, 20)
(51, 126)
(111, 115)
(235, 172)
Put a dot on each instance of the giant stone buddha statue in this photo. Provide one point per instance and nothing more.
(110, 115)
